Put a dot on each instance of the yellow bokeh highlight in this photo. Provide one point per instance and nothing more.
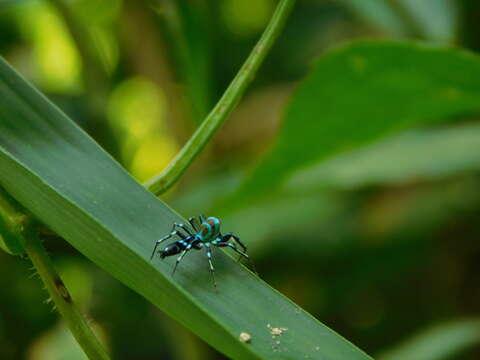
(245, 18)
(136, 111)
(57, 63)
(137, 106)
(153, 156)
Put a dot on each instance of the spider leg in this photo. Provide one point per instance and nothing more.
(235, 238)
(241, 253)
(192, 223)
(212, 269)
(189, 246)
(183, 227)
(227, 237)
(202, 218)
(173, 233)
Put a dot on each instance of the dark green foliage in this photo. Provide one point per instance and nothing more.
(365, 91)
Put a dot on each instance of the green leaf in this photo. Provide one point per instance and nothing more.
(362, 92)
(439, 342)
(66, 180)
(417, 155)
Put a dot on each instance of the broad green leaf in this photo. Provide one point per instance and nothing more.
(420, 155)
(438, 343)
(362, 92)
(66, 180)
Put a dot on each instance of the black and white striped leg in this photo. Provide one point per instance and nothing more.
(241, 253)
(189, 246)
(173, 233)
(191, 221)
(183, 227)
(212, 269)
(196, 222)
(227, 237)
(235, 238)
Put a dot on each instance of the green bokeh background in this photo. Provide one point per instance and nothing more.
(381, 259)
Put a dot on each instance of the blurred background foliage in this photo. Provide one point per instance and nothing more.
(381, 243)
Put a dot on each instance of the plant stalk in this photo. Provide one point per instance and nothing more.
(162, 182)
(21, 226)
(75, 321)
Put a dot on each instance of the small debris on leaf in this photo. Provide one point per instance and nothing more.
(245, 337)
(275, 331)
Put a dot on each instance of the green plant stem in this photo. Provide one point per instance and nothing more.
(20, 226)
(56, 288)
(14, 220)
(225, 105)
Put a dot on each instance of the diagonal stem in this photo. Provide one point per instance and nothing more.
(225, 105)
(74, 319)
(20, 226)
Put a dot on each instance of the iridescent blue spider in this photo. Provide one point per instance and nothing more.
(206, 235)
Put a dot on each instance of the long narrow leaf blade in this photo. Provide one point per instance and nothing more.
(67, 181)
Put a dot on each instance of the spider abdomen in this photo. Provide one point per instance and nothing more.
(173, 249)
(209, 229)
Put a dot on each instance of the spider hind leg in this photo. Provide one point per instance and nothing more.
(159, 241)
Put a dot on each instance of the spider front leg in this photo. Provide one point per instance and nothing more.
(192, 223)
(241, 253)
(229, 236)
(183, 227)
(173, 233)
